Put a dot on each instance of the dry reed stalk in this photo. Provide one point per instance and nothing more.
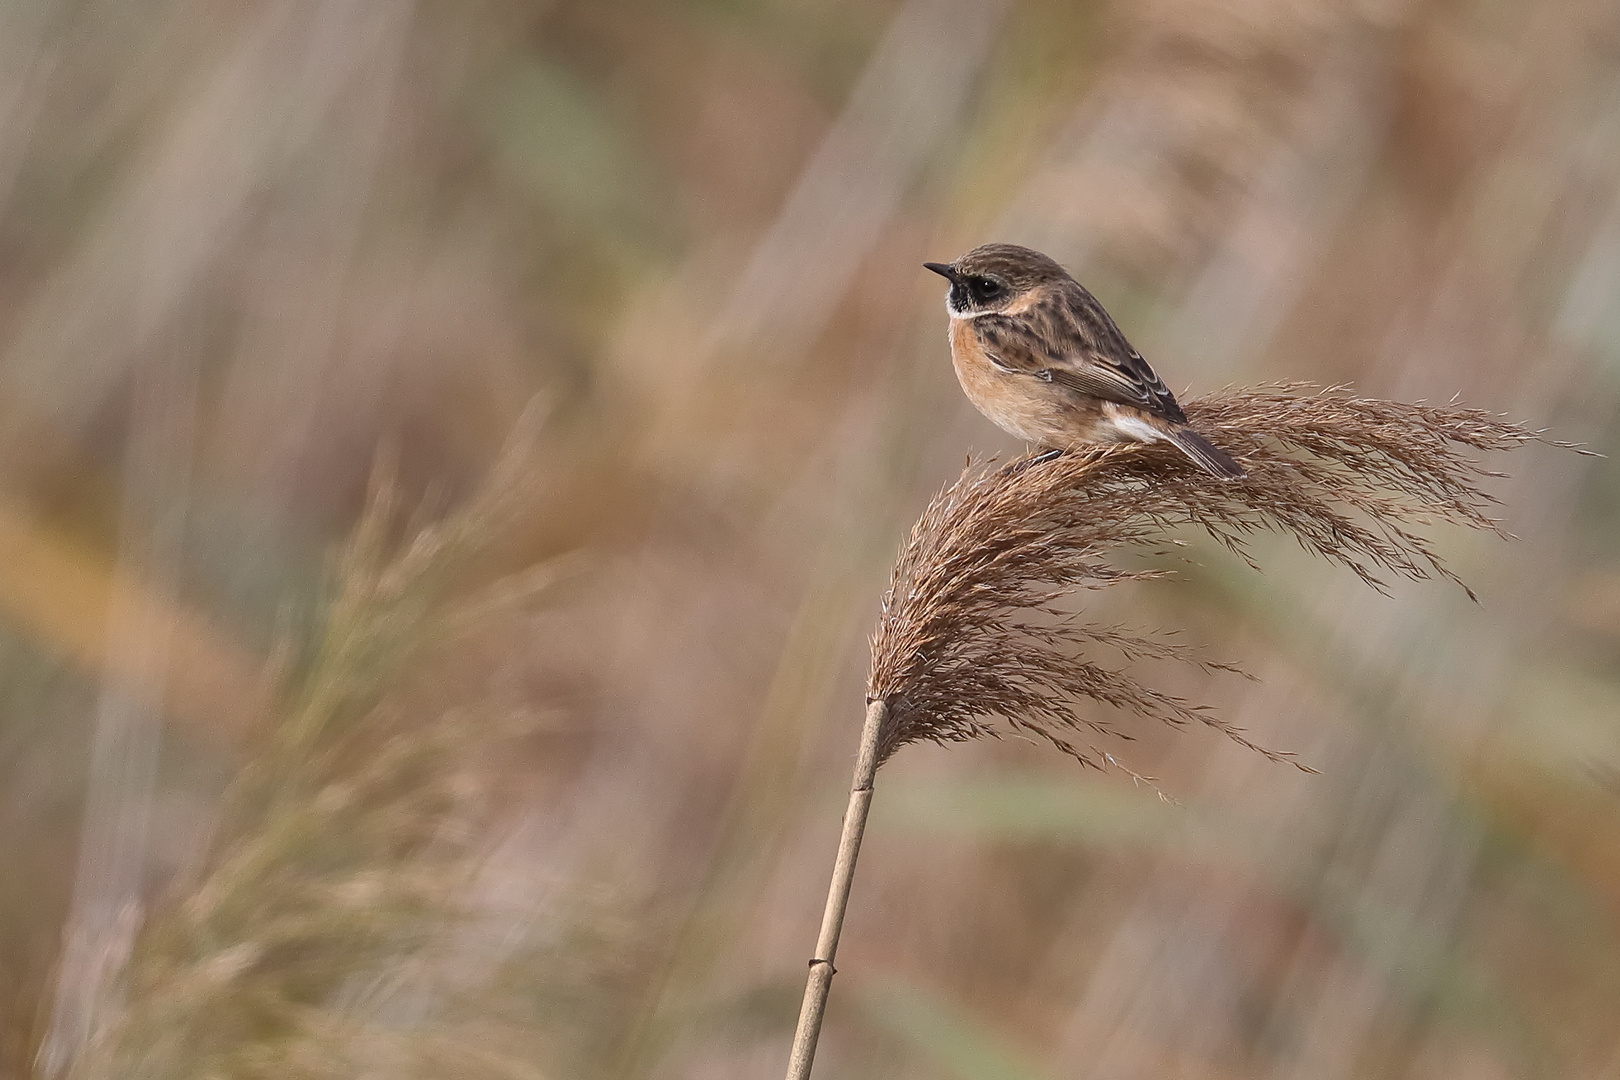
(971, 632)
(832, 916)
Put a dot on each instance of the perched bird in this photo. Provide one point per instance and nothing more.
(1037, 354)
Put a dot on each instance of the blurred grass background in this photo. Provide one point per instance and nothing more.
(542, 777)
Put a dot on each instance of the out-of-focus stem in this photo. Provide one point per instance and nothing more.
(832, 919)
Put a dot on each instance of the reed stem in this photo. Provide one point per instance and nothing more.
(832, 919)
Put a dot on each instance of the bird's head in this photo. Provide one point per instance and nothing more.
(994, 278)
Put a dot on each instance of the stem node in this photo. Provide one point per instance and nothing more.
(832, 917)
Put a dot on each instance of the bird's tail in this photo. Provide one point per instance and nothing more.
(1205, 454)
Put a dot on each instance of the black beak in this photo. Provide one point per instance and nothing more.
(944, 270)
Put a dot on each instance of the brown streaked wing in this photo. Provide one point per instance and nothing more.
(1111, 352)
(1059, 341)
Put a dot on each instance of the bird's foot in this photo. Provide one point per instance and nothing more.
(1013, 468)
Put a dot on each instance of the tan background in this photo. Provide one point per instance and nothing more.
(244, 245)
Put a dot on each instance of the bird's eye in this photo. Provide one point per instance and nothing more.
(985, 288)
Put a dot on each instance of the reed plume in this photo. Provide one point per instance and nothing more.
(972, 641)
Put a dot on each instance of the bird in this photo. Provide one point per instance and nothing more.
(1037, 354)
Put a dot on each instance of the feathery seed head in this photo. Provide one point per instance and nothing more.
(967, 645)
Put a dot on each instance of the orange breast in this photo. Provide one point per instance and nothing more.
(1021, 405)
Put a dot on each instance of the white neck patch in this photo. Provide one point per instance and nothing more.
(954, 314)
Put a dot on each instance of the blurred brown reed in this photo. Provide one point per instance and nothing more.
(344, 851)
(971, 630)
